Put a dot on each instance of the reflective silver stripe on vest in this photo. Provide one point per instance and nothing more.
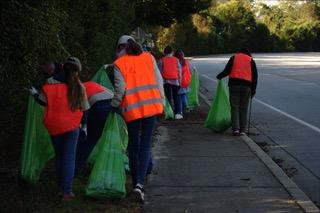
(141, 88)
(141, 103)
(105, 95)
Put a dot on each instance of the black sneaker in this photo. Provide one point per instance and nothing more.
(138, 193)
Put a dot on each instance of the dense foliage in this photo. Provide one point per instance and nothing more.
(228, 25)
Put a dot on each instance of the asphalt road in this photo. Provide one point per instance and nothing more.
(286, 109)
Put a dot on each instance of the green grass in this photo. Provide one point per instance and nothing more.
(43, 197)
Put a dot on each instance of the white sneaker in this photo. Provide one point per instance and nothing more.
(138, 193)
(178, 116)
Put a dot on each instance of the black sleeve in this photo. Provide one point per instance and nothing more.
(254, 74)
(39, 101)
(227, 69)
(84, 117)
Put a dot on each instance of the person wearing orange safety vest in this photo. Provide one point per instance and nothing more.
(64, 105)
(139, 94)
(172, 73)
(186, 77)
(99, 99)
(243, 77)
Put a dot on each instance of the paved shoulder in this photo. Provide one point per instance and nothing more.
(199, 171)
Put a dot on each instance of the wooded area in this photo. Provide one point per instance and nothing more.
(33, 31)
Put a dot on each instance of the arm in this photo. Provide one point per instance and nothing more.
(159, 80)
(119, 88)
(227, 69)
(179, 72)
(40, 99)
(254, 74)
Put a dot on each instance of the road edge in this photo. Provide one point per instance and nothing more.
(299, 197)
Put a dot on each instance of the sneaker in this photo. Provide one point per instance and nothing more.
(138, 193)
(242, 133)
(178, 116)
(236, 132)
(68, 197)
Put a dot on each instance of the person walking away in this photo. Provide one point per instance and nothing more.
(99, 99)
(243, 76)
(139, 94)
(64, 103)
(171, 73)
(186, 77)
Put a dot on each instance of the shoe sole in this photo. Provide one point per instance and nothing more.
(137, 196)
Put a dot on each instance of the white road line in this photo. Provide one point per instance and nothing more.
(289, 116)
(317, 129)
(209, 78)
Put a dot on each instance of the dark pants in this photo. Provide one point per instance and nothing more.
(171, 92)
(239, 101)
(139, 147)
(96, 119)
(65, 150)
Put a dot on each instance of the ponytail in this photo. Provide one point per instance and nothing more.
(76, 92)
(133, 48)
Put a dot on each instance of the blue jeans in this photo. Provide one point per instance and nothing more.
(97, 116)
(184, 101)
(65, 150)
(139, 147)
(171, 91)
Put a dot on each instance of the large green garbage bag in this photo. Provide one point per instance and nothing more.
(193, 99)
(37, 148)
(219, 116)
(102, 78)
(123, 133)
(168, 113)
(108, 177)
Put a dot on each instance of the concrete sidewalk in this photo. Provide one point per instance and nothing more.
(197, 170)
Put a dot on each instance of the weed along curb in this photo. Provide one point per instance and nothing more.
(295, 192)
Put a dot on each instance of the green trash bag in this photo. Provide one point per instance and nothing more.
(193, 99)
(168, 113)
(102, 78)
(37, 148)
(108, 177)
(219, 116)
(123, 132)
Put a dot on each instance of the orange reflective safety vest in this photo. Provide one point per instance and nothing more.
(241, 68)
(142, 95)
(58, 117)
(96, 92)
(170, 69)
(186, 75)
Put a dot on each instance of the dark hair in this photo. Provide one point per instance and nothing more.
(180, 55)
(244, 51)
(133, 48)
(76, 92)
(167, 50)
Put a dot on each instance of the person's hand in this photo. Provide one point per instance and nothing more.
(117, 110)
(33, 91)
(83, 132)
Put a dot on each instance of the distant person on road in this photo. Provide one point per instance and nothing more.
(171, 73)
(243, 76)
(138, 92)
(186, 76)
